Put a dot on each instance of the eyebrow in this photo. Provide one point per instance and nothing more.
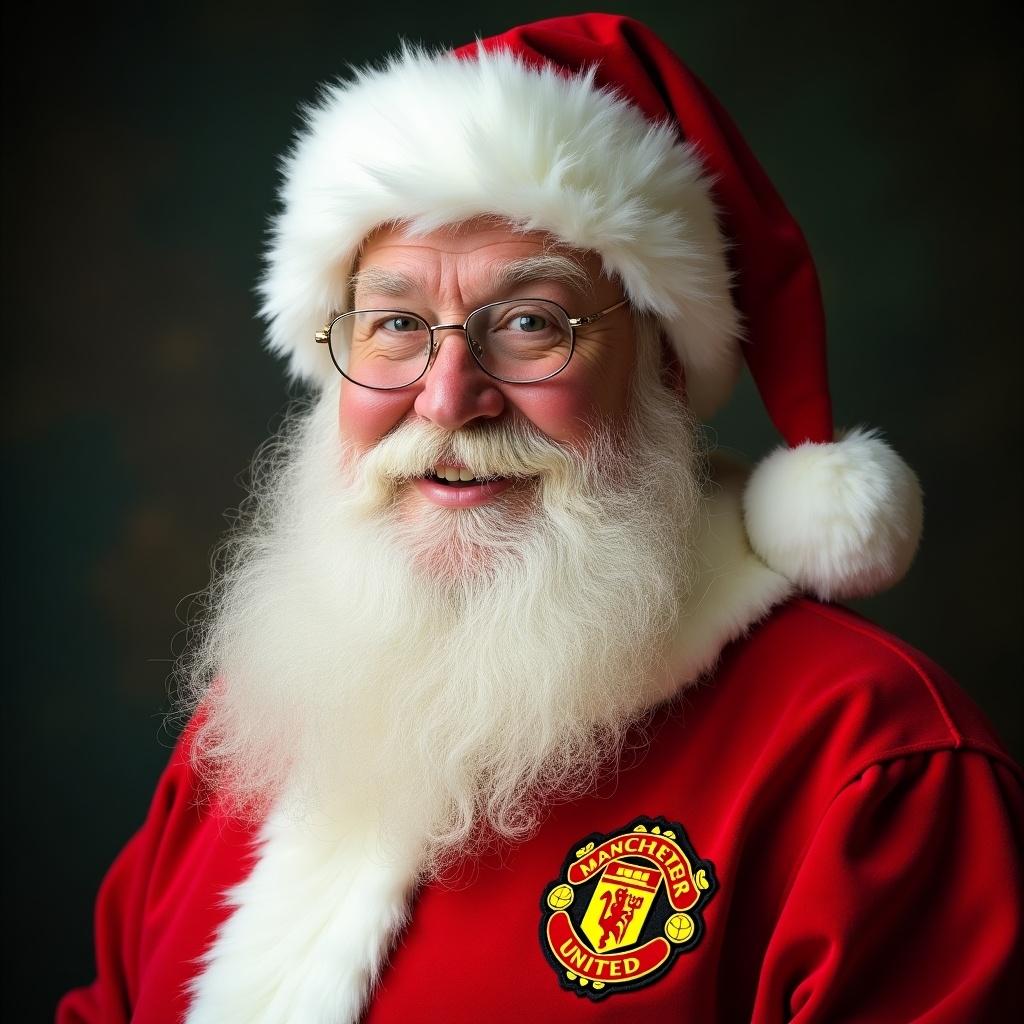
(548, 266)
(382, 281)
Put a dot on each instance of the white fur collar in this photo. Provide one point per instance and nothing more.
(734, 588)
(315, 919)
(311, 927)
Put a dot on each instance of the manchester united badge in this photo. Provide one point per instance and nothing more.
(625, 906)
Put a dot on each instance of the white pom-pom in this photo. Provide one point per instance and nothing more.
(839, 520)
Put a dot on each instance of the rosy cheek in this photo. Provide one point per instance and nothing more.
(365, 416)
(560, 410)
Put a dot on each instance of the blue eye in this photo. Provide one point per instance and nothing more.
(528, 323)
(401, 324)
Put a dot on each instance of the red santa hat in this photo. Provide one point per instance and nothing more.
(588, 127)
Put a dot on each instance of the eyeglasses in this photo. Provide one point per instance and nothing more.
(520, 341)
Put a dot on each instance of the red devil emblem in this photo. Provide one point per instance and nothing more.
(618, 912)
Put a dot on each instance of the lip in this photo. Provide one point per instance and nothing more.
(462, 496)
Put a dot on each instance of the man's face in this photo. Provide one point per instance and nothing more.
(445, 275)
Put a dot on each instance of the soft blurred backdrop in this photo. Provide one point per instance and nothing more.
(140, 169)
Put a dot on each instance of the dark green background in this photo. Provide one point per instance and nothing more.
(140, 170)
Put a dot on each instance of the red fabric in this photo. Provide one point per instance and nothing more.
(776, 284)
(864, 826)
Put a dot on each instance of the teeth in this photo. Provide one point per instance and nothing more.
(453, 475)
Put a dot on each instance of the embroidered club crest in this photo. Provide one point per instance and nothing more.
(625, 906)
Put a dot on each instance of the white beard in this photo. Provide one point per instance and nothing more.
(454, 670)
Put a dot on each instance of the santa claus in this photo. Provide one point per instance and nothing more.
(512, 699)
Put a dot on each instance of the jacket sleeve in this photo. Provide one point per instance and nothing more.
(121, 905)
(907, 904)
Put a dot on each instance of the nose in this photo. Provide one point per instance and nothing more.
(455, 391)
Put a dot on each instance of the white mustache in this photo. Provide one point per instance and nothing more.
(508, 449)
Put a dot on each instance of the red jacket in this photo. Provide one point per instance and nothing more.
(856, 827)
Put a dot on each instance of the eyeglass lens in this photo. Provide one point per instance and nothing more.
(517, 341)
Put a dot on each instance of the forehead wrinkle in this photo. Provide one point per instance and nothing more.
(495, 279)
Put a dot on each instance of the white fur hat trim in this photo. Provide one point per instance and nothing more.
(431, 140)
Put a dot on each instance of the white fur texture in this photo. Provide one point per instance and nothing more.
(839, 520)
(434, 140)
(733, 590)
(313, 924)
